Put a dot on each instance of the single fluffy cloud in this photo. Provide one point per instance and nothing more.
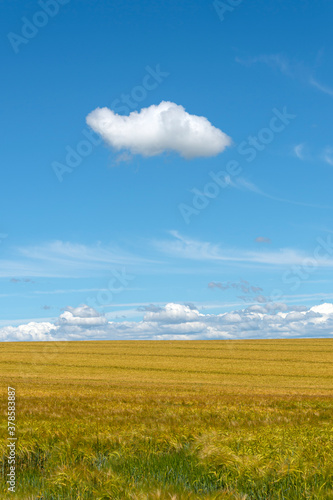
(158, 129)
(83, 311)
(173, 313)
(178, 321)
(81, 316)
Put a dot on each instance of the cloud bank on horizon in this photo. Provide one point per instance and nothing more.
(165, 127)
(182, 322)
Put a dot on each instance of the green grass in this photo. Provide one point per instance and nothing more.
(171, 420)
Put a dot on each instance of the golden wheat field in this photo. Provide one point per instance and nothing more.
(170, 420)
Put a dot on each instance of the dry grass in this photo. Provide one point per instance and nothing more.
(171, 420)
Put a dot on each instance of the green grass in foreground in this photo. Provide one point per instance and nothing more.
(171, 420)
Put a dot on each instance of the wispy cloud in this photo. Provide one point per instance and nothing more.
(186, 248)
(293, 69)
(246, 185)
(276, 61)
(298, 150)
(319, 86)
(66, 259)
(328, 155)
(16, 280)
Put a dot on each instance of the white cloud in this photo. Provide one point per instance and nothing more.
(65, 259)
(173, 313)
(298, 150)
(68, 260)
(157, 129)
(277, 61)
(292, 69)
(31, 331)
(177, 321)
(187, 248)
(328, 155)
(81, 316)
(245, 185)
(320, 86)
(325, 155)
(324, 309)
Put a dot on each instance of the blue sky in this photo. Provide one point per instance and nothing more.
(108, 238)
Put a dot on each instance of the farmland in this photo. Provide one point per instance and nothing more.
(170, 420)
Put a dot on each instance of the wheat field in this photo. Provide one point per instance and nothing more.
(170, 420)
